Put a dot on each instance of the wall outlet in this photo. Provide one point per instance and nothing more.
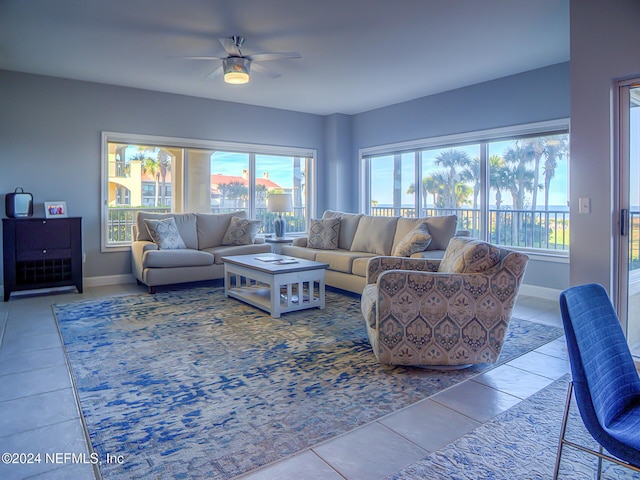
(585, 205)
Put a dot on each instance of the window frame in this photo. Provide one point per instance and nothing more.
(481, 137)
(107, 137)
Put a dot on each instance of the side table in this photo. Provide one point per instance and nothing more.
(276, 243)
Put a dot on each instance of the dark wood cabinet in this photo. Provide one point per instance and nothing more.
(41, 253)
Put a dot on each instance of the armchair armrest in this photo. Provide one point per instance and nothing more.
(378, 265)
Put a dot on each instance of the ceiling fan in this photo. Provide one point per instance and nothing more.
(236, 66)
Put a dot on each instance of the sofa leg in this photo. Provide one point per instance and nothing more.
(152, 290)
(138, 282)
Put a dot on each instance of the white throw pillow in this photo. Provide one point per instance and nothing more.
(165, 233)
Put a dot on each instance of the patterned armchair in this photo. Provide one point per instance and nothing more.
(451, 312)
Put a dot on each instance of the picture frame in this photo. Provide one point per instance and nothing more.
(55, 209)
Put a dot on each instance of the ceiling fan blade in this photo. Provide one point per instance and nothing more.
(229, 44)
(215, 73)
(263, 57)
(201, 58)
(264, 70)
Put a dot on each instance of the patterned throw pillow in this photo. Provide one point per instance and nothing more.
(324, 234)
(241, 231)
(417, 240)
(165, 233)
(467, 255)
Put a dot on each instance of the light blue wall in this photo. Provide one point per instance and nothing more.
(529, 97)
(339, 174)
(50, 140)
(604, 49)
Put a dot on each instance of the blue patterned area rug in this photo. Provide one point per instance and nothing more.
(519, 444)
(190, 384)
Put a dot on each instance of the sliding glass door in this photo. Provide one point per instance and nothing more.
(629, 233)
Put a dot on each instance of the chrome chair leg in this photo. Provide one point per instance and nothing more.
(565, 418)
(601, 450)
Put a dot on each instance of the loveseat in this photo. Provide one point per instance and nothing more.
(347, 241)
(189, 247)
(452, 312)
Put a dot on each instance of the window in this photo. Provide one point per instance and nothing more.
(507, 186)
(178, 175)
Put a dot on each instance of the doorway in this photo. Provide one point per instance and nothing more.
(629, 198)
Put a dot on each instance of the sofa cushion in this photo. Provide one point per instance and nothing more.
(165, 233)
(375, 235)
(299, 252)
(348, 226)
(441, 229)
(468, 255)
(338, 260)
(241, 231)
(324, 234)
(186, 223)
(417, 240)
(229, 250)
(212, 227)
(176, 258)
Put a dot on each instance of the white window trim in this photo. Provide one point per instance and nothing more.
(179, 142)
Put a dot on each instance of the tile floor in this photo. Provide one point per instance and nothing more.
(39, 413)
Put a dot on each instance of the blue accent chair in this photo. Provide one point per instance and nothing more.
(605, 380)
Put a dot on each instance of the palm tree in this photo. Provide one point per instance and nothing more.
(498, 177)
(436, 185)
(164, 162)
(538, 146)
(472, 174)
(557, 147)
(235, 191)
(452, 160)
(517, 159)
(156, 167)
(152, 167)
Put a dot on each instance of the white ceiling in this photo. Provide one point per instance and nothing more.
(357, 55)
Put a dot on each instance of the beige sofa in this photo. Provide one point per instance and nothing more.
(362, 237)
(203, 236)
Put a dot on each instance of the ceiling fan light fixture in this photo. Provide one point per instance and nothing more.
(236, 70)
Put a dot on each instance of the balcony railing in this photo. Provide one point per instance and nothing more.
(120, 220)
(544, 229)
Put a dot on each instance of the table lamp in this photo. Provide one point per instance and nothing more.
(278, 203)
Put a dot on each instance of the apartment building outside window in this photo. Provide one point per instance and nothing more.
(508, 186)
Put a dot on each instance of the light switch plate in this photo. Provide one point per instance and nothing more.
(585, 205)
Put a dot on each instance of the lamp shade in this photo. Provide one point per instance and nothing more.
(236, 70)
(279, 202)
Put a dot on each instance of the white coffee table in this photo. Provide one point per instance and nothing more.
(275, 283)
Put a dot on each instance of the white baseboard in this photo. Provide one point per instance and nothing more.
(541, 292)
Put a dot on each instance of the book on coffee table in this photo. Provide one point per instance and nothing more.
(269, 258)
(286, 261)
